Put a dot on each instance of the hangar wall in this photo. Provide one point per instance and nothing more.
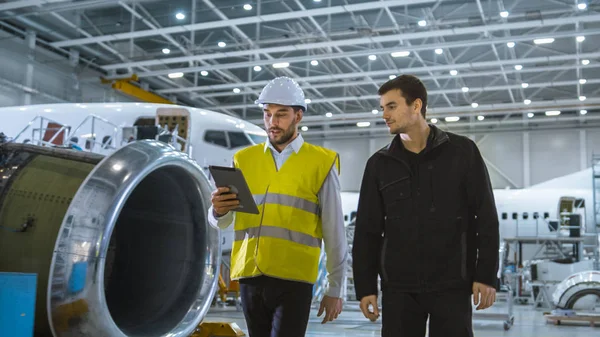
(53, 75)
(550, 154)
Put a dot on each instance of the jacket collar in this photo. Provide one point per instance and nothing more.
(436, 138)
(295, 145)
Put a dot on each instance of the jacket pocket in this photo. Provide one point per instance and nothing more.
(382, 264)
(396, 197)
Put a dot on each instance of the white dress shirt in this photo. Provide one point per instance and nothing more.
(332, 218)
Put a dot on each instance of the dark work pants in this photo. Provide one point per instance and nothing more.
(449, 312)
(274, 307)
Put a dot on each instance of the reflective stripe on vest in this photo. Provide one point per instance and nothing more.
(278, 233)
(287, 200)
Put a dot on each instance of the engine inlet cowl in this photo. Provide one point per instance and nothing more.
(120, 244)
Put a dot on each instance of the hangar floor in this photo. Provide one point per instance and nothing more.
(351, 323)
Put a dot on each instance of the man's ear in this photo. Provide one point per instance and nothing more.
(299, 115)
(418, 103)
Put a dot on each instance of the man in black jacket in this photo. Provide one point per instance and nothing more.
(426, 223)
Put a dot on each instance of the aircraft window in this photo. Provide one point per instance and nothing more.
(536, 215)
(216, 138)
(238, 139)
(74, 140)
(504, 216)
(515, 216)
(525, 216)
(352, 215)
(257, 139)
(145, 121)
(546, 215)
(106, 142)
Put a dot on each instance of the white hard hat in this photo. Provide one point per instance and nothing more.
(284, 91)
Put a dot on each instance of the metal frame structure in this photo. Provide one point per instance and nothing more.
(482, 61)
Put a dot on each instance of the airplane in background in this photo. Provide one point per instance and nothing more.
(535, 211)
(208, 137)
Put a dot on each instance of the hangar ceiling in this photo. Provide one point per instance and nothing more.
(488, 65)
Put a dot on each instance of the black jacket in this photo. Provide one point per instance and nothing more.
(426, 229)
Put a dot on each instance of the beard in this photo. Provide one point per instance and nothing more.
(284, 135)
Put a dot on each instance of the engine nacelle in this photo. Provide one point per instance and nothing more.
(575, 287)
(120, 244)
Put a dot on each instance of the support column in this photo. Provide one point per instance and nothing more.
(75, 93)
(583, 162)
(28, 80)
(526, 161)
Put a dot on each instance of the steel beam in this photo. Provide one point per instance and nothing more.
(244, 21)
(429, 93)
(348, 42)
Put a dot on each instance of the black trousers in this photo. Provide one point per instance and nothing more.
(274, 307)
(404, 314)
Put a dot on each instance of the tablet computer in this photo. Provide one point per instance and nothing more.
(234, 179)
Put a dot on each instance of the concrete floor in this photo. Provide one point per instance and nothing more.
(351, 323)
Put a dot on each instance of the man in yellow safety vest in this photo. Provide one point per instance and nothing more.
(275, 254)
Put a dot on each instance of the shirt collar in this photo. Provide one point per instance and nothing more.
(295, 145)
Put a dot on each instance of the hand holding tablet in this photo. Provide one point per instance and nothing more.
(233, 193)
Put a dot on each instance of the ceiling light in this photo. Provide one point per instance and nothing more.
(585, 62)
(452, 119)
(372, 57)
(204, 73)
(314, 62)
(434, 120)
(304, 128)
(392, 77)
(530, 115)
(439, 51)
(583, 112)
(307, 100)
(248, 7)
(543, 41)
(552, 113)
(180, 16)
(453, 72)
(375, 111)
(518, 67)
(166, 50)
(582, 98)
(582, 81)
(328, 115)
(580, 38)
(480, 118)
(175, 75)
(363, 124)
(525, 85)
(221, 44)
(510, 44)
(582, 6)
(281, 65)
(236, 90)
(474, 105)
(504, 14)
(527, 101)
(257, 68)
(422, 23)
(401, 54)
(317, 0)
(465, 89)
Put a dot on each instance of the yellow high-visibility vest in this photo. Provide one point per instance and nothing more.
(284, 239)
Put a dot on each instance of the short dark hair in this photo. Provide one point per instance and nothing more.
(411, 87)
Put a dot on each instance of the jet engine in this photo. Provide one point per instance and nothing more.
(120, 244)
(578, 291)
